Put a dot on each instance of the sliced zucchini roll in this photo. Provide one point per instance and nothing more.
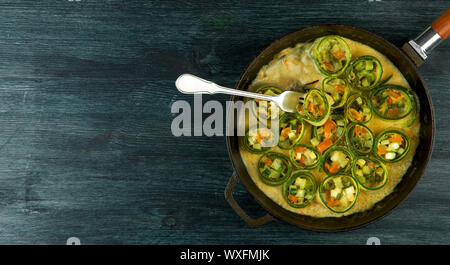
(360, 138)
(274, 168)
(330, 133)
(391, 146)
(304, 156)
(337, 89)
(291, 130)
(258, 140)
(315, 108)
(337, 160)
(300, 189)
(332, 55)
(339, 193)
(364, 73)
(391, 102)
(370, 173)
(358, 109)
(264, 110)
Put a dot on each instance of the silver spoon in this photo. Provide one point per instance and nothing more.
(191, 84)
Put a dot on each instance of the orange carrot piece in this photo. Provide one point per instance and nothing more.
(332, 201)
(358, 116)
(339, 54)
(333, 168)
(292, 198)
(329, 127)
(299, 149)
(381, 150)
(269, 162)
(396, 138)
(285, 132)
(339, 88)
(325, 145)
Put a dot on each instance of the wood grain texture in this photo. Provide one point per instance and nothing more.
(85, 94)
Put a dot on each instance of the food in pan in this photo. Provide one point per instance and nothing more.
(339, 193)
(364, 72)
(291, 130)
(274, 168)
(359, 128)
(304, 156)
(315, 108)
(338, 89)
(391, 102)
(358, 108)
(258, 140)
(300, 189)
(265, 110)
(330, 133)
(337, 160)
(370, 173)
(392, 145)
(331, 55)
(360, 138)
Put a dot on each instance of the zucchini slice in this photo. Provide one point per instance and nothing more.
(337, 160)
(292, 129)
(364, 73)
(391, 146)
(330, 133)
(264, 110)
(339, 193)
(358, 108)
(332, 55)
(391, 102)
(300, 189)
(371, 173)
(360, 138)
(337, 89)
(274, 168)
(315, 108)
(258, 140)
(304, 156)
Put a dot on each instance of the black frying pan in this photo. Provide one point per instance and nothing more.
(406, 59)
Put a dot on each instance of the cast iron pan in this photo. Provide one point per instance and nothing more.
(406, 61)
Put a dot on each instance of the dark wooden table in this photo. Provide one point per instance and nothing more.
(86, 148)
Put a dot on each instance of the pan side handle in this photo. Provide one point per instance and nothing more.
(235, 206)
(420, 48)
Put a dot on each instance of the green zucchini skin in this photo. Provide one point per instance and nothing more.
(305, 114)
(281, 180)
(262, 90)
(350, 143)
(306, 174)
(328, 153)
(376, 161)
(321, 191)
(298, 165)
(320, 61)
(377, 140)
(353, 97)
(352, 75)
(397, 88)
(290, 116)
(246, 146)
(344, 96)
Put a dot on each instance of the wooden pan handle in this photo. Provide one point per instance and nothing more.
(442, 24)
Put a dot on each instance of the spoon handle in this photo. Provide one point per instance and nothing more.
(191, 84)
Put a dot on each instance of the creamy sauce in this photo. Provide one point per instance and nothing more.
(297, 67)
